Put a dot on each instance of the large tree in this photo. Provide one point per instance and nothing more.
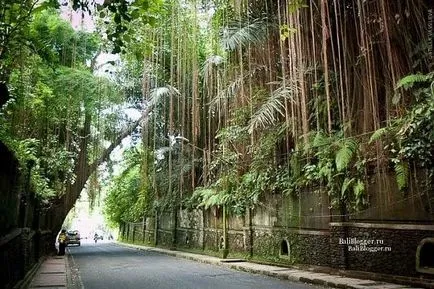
(62, 116)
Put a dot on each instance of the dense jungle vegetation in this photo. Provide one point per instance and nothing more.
(238, 98)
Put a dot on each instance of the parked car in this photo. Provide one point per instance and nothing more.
(73, 238)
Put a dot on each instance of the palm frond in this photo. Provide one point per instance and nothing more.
(186, 168)
(269, 111)
(210, 64)
(165, 91)
(228, 93)
(234, 87)
(410, 80)
(242, 34)
(320, 139)
(401, 171)
(359, 190)
(345, 154)
(345, 186)
(379, 133)
(209, 197)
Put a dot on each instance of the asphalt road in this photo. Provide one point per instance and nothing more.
(107, 265)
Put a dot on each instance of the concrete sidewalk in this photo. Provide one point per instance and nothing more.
(51, 274)
(329, 280)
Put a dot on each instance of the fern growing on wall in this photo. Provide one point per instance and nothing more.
(409, 139)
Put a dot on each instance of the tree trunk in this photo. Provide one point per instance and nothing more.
(83, 170)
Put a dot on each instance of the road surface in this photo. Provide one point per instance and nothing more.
(107, 265)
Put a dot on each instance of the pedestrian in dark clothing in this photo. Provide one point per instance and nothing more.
(62, 242)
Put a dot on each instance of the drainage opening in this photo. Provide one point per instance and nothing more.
(284, 248)
(425, 256)
(222, 243)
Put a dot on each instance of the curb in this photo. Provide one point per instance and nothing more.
(73, 279)
(295, 275)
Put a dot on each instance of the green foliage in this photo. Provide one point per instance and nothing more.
(286, 31)
(56, 41)
(123, 22)
(409, 139)
(232, 187)
(48, 175)
(270, 110)
(14, 19)
(241, 34)
(52, 91)
(119, 205)
(209, 197)
(411, 80)
(401, 170)
(334, 163)
(130, 193)
(26, 150)
(414, 82)
(237, 194)
(295, 5)
(378, 134)
(359, 193)
(237, 191)
(345, 154)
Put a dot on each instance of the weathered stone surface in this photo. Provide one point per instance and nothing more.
(395, 246)
(50, 268)
(52, 273)
(49, 280)
(293, 245)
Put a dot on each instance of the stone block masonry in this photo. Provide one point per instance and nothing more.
(380, 248)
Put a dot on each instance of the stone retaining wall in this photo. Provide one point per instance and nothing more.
(390, 248)
(189, 238)
(382, 248)
(303, 246)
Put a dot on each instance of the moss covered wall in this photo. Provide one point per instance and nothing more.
(387, 202)
(305, 247)
(309, 210)
(296, 230)
(391, 244)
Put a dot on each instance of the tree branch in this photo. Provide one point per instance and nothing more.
(105, 155)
